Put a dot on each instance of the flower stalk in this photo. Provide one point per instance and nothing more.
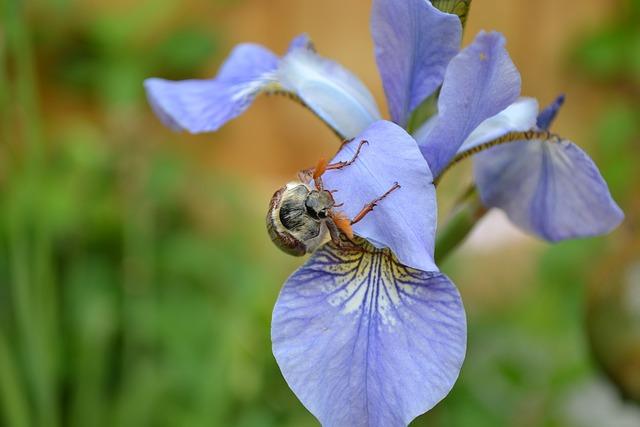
(465, 215)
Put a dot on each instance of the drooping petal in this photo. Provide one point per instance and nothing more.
(414, 42)
(480, 82)
(332, 92)
(546, 117)
(328, 89)
(549, 188)
(405, 220)
(518, 117)
(364, 341)
(205, 105)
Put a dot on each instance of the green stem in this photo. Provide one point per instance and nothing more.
(4, 92)
(29, 236)
(26, 94)
(12, 394)
(424, 111)
(467, 212)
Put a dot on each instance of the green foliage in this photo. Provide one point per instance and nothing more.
(613, 52)
(135, 289)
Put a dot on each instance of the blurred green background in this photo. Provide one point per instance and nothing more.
(136, 276)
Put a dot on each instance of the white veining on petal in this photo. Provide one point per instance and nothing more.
(264, 83)
(365, 341)
(519, 116)
(330, 90)
(356, 295)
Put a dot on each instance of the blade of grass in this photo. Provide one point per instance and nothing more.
(33, 292)
(4, 95)
(12, 395)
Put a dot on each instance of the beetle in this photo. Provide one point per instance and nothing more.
(301, 218)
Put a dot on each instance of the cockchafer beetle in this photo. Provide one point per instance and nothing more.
(302, 218)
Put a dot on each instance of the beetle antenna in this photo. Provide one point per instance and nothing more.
(317, 174)
(342, 222)
(321, 167)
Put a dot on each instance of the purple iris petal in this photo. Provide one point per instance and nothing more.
(364, 341)
(330, 90)
(550, 188)
(414, 42)
(547, 116)
(480, 82)
(205, 105)
(405, 221)
(518, 117)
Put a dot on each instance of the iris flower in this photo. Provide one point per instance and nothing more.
(547, 185)
(377, 336)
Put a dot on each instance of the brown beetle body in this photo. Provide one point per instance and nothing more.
(297, 218)
(302, 218)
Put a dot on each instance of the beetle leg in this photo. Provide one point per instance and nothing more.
(340, 165)
(369, 206)
(333, 199)
(334, 233)
(307, 175)
(345, 142)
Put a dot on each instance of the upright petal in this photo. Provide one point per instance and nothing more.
(548, 115)
(480, 82)
(517, 117)
(414, 42)
(332, 92)
(205, 105)
(405, 221)
(549, 188)
(364, 341)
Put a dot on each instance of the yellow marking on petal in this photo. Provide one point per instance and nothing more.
(370, 280)
(483, 56)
